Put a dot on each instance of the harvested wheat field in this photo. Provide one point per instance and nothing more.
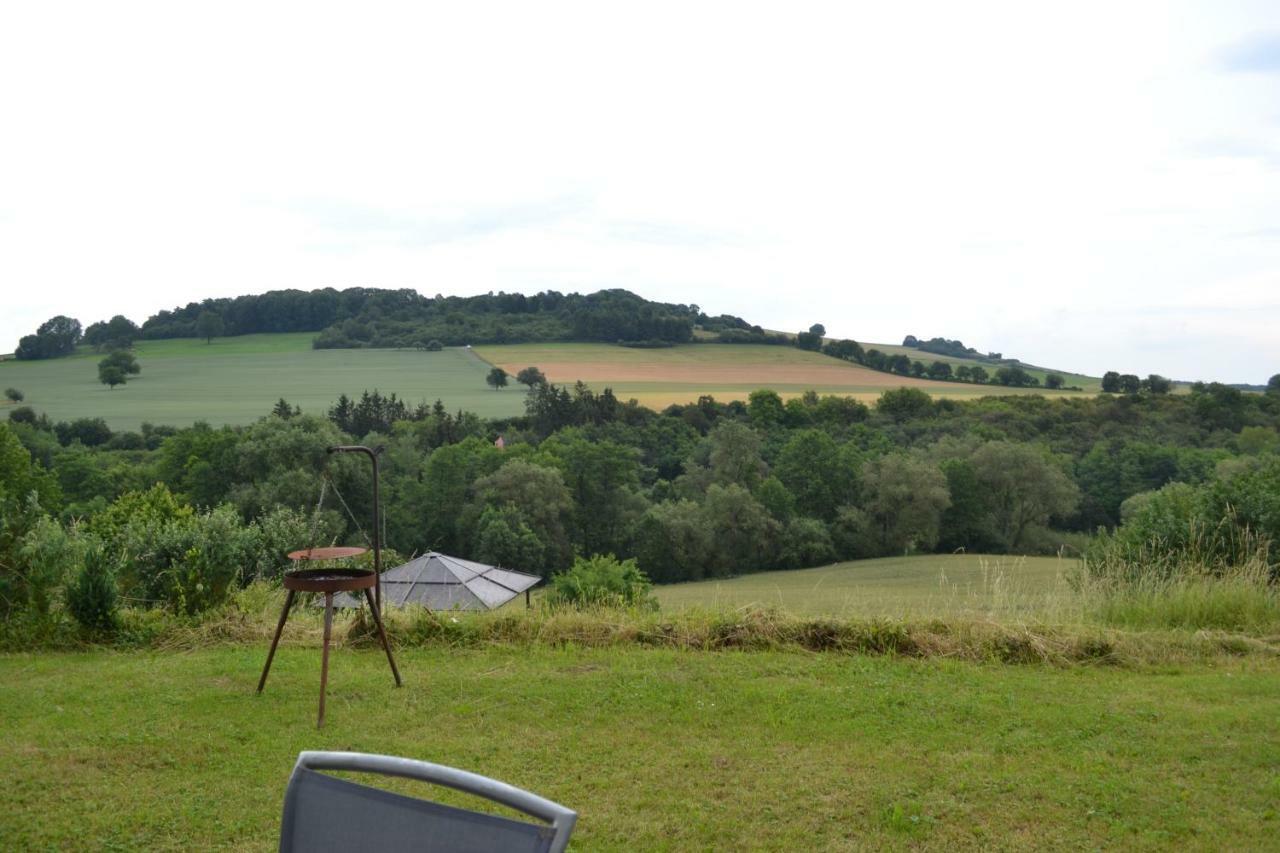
(680, 374)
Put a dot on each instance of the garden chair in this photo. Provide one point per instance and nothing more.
(323, 812)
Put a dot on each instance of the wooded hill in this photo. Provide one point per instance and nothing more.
(369, 317)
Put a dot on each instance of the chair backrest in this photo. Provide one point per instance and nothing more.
(323, 812)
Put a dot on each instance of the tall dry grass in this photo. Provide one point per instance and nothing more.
(1218, 578)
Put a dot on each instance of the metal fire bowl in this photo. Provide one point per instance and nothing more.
(329, 580)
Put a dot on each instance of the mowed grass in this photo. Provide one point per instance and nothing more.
(656, 749)
(237, 380)
(967, 586)
(680, 374)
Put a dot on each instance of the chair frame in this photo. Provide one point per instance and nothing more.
(561, 819)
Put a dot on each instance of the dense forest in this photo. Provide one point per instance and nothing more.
(368, 317)
(708, 489)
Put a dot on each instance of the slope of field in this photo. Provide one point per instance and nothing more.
(1088, 383)
(655, 749)
(680, 374)
(237, 380)
(927, 586)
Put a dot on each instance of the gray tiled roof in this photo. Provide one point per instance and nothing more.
(441, 582)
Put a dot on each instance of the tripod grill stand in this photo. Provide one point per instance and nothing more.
(332, 580)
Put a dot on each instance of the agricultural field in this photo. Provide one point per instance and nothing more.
(237, 380)
(656, 749)
(967, 586)
(1088, 383)
(680, 374)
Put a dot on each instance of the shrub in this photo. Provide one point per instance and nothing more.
(48, 554)
(90, 432)
(277, 533)
(205, 557)
(24, 415)
(601, 580)
(92, 598)
(13, 395)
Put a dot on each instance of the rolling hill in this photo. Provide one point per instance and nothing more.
(680, 374)
(237, 380)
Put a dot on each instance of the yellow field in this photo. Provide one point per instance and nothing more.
(680, 374)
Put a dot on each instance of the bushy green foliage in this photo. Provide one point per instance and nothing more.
(903, 404)
(55, 337)
(672, 542)
(905, 499)
(504, 539)
(27, 493)
(1211, 529)
(49, 554)
(601, 580)
(92, 598)
(532, 499)
(496, 378)
(805, 542)
(115, 333)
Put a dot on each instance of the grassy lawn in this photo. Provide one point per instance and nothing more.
(237, 380)
(926, 586)
(680, 374)
(657, 749)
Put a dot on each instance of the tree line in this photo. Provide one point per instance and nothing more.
(707, 489)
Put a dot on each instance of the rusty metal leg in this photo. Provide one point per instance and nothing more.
(284, 614)
(382, 633)
(324, 656)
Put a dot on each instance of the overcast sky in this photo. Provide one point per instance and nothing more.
(1088, 186)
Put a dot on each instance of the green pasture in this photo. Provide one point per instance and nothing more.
(237, 380)
(657, 749)
(940, 586)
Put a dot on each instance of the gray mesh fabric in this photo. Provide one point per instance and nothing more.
(324, 813)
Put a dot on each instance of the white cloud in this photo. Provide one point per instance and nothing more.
(1064, 184)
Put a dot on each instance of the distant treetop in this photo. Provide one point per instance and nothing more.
(370, 317)
(941, 346)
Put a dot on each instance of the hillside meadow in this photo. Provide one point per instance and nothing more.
(680, 374)
(969, 586)
(237, 380)
(1079, 380)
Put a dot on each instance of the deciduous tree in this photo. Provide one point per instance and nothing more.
(209, 325)
(1025, 487)
(497, 378)
(531, 376)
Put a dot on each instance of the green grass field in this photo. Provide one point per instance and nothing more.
(237, 380)
(680, 374)
(928, 586)
(657, 750)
